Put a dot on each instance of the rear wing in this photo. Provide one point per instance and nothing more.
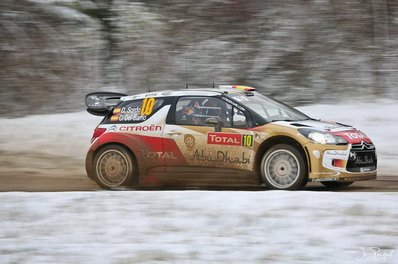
(102, 103)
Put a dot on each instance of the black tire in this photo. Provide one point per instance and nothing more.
(113, 167)
(337, 185)
(283, 167)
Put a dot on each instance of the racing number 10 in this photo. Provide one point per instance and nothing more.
(247, 141)
(147, 106)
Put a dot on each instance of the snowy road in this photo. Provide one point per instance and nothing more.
(198, 227)
(68, 182)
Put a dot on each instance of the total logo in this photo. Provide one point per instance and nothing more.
(229, 139)
(354, 136)
(159, 155)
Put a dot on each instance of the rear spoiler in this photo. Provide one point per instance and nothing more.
(102, 103)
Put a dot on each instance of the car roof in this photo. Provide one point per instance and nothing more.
(184, 92)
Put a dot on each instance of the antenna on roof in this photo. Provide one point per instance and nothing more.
(186, 73)
(147, 85)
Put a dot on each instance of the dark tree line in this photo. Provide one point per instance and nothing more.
(53, 53)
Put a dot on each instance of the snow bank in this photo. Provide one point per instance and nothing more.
(61, 134)
(69, 134)
(198, 227)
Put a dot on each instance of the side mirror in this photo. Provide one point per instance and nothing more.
(217, 123)
(101, 103)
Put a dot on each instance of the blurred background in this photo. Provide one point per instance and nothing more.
(54, 52)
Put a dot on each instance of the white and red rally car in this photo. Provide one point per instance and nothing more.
(230, 136)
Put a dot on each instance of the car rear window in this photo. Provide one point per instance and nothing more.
(136, 111)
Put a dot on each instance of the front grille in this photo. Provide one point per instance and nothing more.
(362, 158)
(363, 146)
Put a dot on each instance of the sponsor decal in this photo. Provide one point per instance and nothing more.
(335, 159)
(229, 139)
(158, 155)
(220, 157)
(189, 141)
(316, 153)
(224, 139)
(362, 157)
(112, 128)
(147, 106)
(363, 160)
(130, 97)
(329, 125)
(140, 128)
(324, 179)
(166, 93)
(354, 136)
(337, 153)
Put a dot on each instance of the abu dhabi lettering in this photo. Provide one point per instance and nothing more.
(220, 157)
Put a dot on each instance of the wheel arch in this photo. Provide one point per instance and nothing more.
(130, 152)
(267, 144)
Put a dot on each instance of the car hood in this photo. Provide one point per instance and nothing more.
(321, 125)
(349, 133)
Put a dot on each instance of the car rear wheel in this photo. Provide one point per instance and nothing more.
(337, 185)
(283, 168)
(114, 167)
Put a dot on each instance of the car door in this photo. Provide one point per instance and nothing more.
(213, 138)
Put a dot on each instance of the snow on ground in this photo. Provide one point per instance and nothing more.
(60, 134)
(69, 134)
(198, 227)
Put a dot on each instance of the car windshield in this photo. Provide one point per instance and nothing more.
(271, 110)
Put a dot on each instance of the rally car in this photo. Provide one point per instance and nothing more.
(225, 136)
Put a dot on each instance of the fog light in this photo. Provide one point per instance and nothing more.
(338, 163)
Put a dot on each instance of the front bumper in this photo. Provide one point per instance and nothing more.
(341, 163)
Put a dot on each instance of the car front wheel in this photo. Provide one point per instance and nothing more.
(283, 168)
(114, 167)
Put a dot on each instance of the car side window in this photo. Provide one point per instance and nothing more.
(135, 111)
(197, 110)
(239, 118)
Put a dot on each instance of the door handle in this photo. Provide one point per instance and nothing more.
(174, 133)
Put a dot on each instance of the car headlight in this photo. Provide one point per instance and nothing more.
(323, 137)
